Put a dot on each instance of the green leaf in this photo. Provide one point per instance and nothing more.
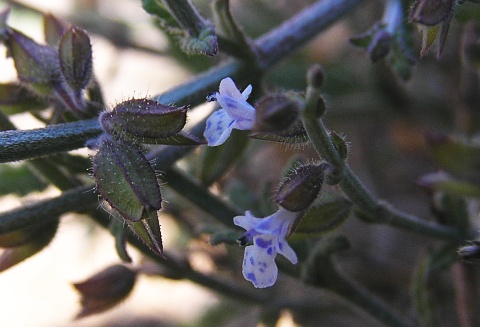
(118, 230)
(15, 99)
(234, 42)
(37, 242)
(157, 8)
(455, 155)
(329, 214)
(19, 180)
(217, 160)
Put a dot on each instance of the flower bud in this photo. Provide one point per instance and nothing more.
(301, 187)
(315, 76)
(125, 179)
(275, 112)
(35, 64)
(143, 120)
(206, 43)
(105, 289)
(432, 12)
(435, 17)
(75, 54)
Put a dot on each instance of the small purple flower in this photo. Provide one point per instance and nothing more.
(236, 112)
(268, 235)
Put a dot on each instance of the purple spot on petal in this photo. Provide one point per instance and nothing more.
(252, 261)
(280, 246)
(262, 270)
(251, 277)
(269, 251)
(262, 243)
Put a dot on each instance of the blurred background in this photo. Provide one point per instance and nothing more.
(383, 117)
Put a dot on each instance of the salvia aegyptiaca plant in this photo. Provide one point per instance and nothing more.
(357, 161)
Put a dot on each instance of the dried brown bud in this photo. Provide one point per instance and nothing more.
(275, 112)
(105, 289)
(301, 187)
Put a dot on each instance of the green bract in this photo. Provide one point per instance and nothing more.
(125, 179)
(143, 120)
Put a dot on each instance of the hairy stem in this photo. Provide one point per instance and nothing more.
(372, 208)
(25, 144)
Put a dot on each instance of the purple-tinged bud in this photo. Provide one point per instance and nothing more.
(301, 187)
(470, 252)
(143, 120)
(35, 64)
(275, 112)
(75, 53)
(105, 289)
(432, 12)
(125, 179)
(435, 16)
(54, 29)
(316, 76)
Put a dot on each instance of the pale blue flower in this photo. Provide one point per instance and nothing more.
(268, 235)
(236, 112)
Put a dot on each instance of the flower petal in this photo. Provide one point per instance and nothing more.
(248, 221)
(219, 127)
(259, 263)
(229, 89)
(284, 249)
(239, 110)
(246, 92)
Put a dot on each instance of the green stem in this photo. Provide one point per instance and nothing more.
(200, 196)
(78, 199)
(375, 210)
(186, 16)
(42, 166)
(25, 144)
(366, 301)
(319, 270)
